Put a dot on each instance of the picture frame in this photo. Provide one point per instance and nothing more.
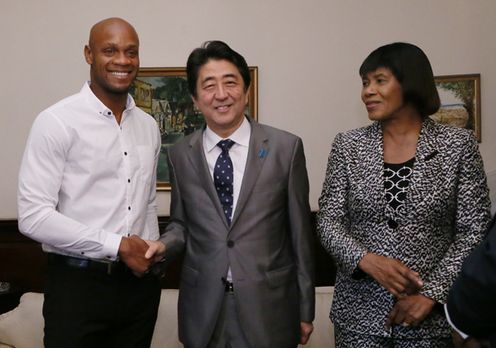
(460, 101)
(163, 93)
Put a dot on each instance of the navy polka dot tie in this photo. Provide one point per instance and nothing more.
(223, 178)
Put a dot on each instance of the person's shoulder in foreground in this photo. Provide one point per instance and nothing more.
(472, 302)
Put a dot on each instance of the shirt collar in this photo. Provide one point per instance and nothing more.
(97, 103)
(241, 136)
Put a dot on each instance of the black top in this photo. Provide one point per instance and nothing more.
(396, 180)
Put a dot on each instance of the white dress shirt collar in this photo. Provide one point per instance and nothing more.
(241, 136)
(97, 104)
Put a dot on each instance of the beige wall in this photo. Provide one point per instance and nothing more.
(308, 53)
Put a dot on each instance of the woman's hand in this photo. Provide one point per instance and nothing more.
(392, 274)
(410, 310)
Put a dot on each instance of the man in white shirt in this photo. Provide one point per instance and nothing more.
(87, 193)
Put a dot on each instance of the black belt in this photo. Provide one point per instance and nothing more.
(87, 264)
(228, 286)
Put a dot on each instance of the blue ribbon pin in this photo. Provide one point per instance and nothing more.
(262, 153)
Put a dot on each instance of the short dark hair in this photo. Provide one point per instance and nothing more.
(412, 69)
(216, 50)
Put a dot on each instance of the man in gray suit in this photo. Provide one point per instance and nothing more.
(240, 209)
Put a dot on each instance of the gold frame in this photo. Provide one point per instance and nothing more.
(466, 91)
(161, 109)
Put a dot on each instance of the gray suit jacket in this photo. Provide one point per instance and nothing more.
(268, 245)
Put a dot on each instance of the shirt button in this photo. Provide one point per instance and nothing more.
(392, 224)
(128, 208)
(128, 180)
(230, 243)
(125, 153)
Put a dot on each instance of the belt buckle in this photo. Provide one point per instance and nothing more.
(112, 267)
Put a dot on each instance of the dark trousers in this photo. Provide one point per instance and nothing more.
(85, 308)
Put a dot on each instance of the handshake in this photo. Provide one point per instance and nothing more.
(142, 256)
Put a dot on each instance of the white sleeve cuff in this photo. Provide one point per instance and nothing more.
(111, 245)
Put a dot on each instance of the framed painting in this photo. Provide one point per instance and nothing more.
(163, 93)
(460, 101)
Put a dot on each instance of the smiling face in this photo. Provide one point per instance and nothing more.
(221, 96)
(382, 95)
(113, 53)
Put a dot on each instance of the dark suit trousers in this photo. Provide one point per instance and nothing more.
(89, 308)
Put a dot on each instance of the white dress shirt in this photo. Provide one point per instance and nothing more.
(238, 154)
(85, 181)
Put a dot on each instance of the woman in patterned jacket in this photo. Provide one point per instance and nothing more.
(404, 201)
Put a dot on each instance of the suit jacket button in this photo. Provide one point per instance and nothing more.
(230, 243)
(392, 224)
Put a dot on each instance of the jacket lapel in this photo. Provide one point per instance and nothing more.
(372, 169)
(257, 154)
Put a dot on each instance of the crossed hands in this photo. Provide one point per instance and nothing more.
(140, 255)
(411, 307)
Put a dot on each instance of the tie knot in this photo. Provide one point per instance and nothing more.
(225, 145)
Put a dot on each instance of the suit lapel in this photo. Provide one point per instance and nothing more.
(372, 169)
(257, 154)
(199, 163)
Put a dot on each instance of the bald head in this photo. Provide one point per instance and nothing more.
(110, 24)
(113, 54)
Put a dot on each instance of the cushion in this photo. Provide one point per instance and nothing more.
(23, 326)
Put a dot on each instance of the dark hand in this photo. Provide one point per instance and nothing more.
(392, 274)
(457, 339)
(470, 342)
(132, 252)
(410, 310)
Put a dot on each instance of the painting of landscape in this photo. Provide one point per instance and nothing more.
(460, 102)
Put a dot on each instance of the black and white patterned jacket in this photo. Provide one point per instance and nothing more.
(444, 217)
